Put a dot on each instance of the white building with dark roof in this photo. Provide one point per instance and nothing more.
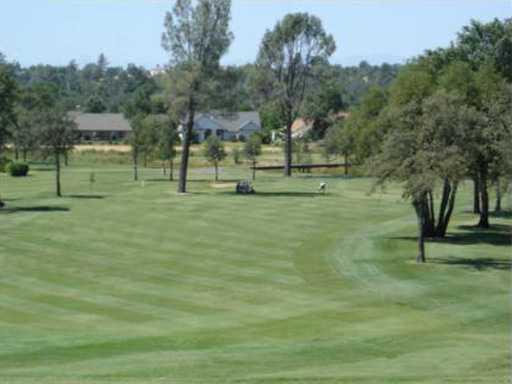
(239, 125)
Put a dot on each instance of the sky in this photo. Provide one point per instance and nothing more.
(129, 31)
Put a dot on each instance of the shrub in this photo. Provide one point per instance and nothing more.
(18, 168)
(4, 164)
(264, 136)
(236, 156)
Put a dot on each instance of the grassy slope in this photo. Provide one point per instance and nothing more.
(133, 284)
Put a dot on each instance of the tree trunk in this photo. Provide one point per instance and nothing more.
(57, 173)
(451, 205)
(288, 150)
(419, 208)
(1, 202)
(346, 165)
(497, 207)
(254, 171)
(135, 175)
(185, 147)
(164, 169)
(25, 154)
(216, 172)
(16, 152)
(428, 218)
(66, 158)
(476, 195)
(445, 214)
(445, 200)
(431, 214)
(484, 214)
(171, 169)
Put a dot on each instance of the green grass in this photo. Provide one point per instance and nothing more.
(127, 282)
(271, 155)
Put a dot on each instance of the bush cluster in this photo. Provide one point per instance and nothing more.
(18, 168)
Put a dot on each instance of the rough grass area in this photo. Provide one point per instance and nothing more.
(128, 282)
(121, 154)
(124, 148)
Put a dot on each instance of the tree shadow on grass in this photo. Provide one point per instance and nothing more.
(11, 199)
(498, 234)
(481, 263)
(85, 196)
(41, 208)
(493, 228)
(505, 214)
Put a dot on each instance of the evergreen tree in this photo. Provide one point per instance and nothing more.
(196, 36)
(288, 53)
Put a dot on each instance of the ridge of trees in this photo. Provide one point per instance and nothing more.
(445, 118)
(109, 89)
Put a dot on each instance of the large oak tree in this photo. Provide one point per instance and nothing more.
(423, 152)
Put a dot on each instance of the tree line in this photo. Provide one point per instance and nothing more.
(99, 87)
(95, 87)
(444, 119)
(34, 118)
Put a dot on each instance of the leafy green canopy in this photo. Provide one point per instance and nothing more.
(214, 150)
(288, 53)
(448, 117)
(196, 36)
(479, 43)
(252, 149)
(8, 99)
(58, 131)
